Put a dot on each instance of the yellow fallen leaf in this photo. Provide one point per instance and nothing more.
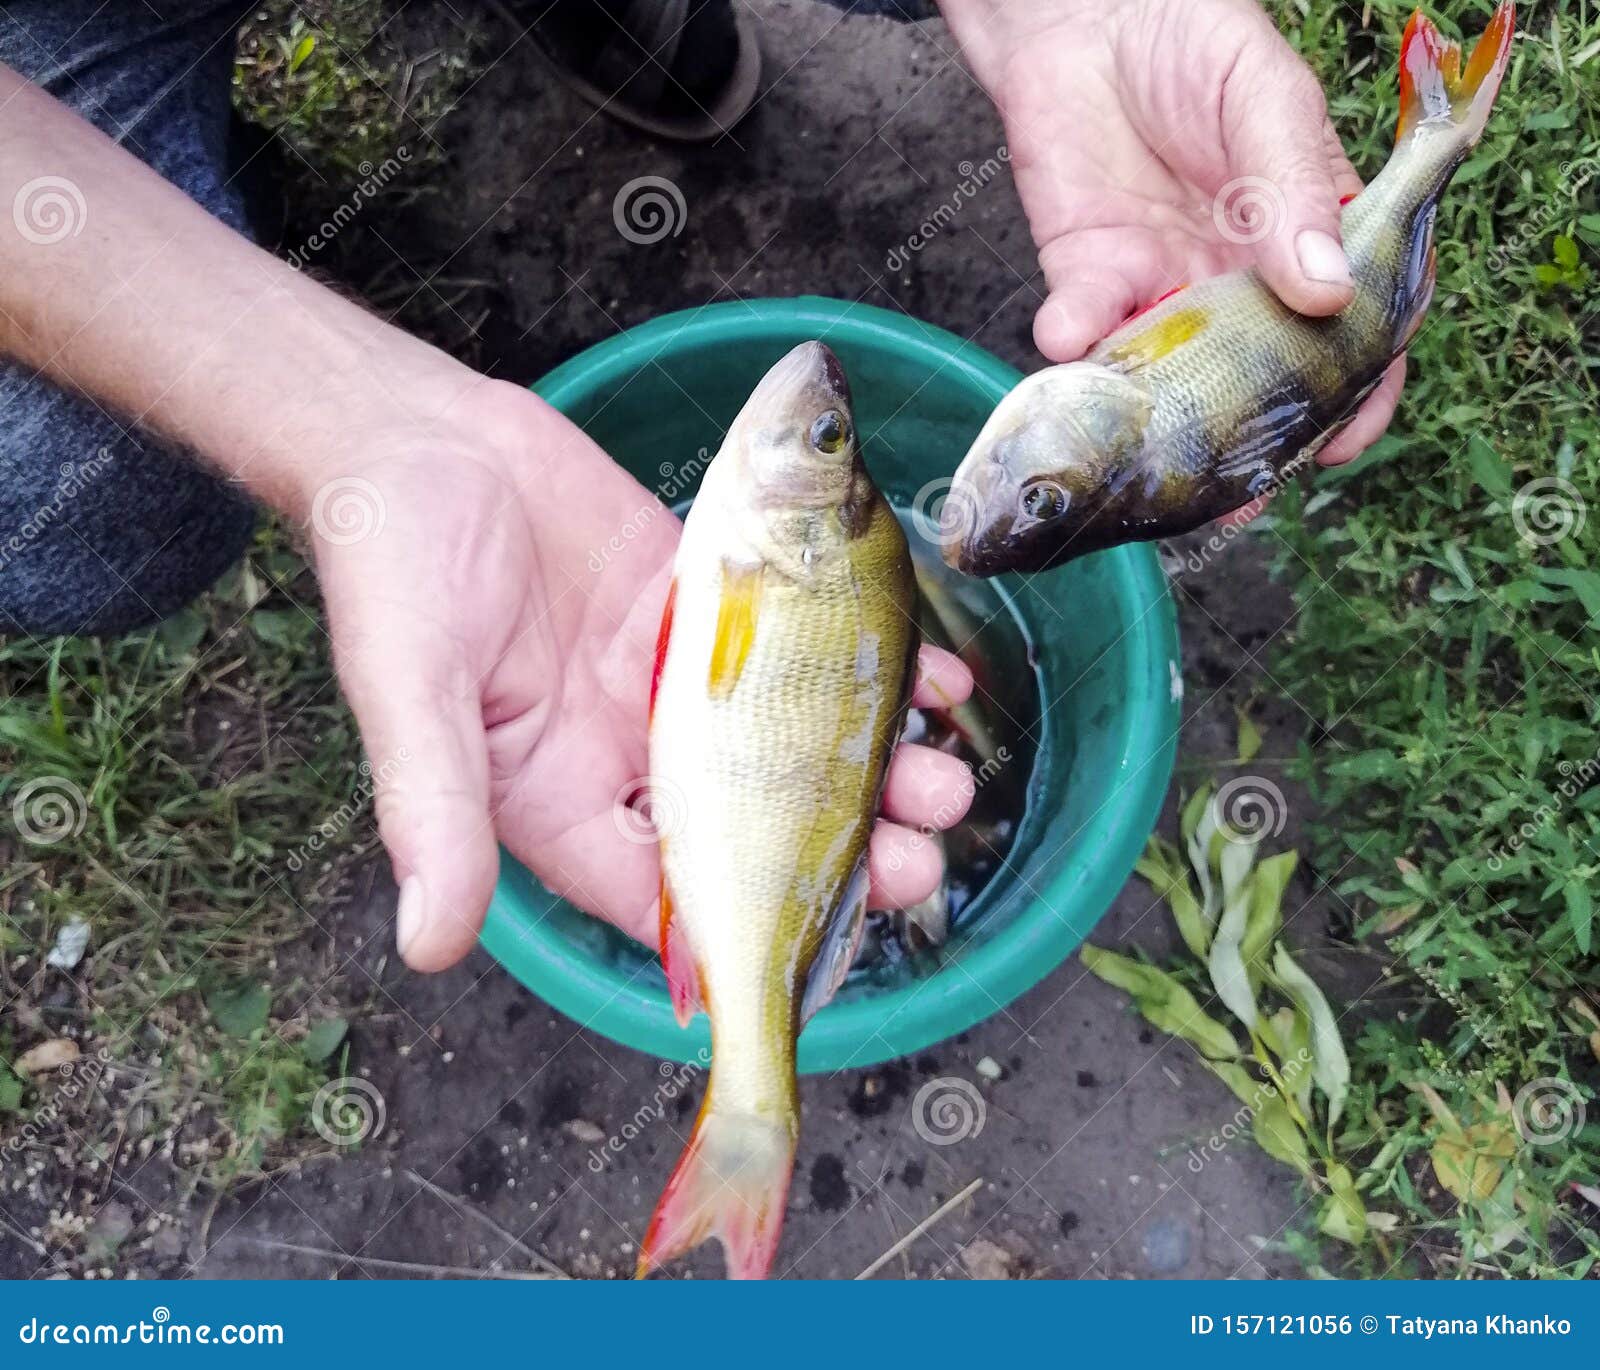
(51, 1055)
(1469, 1164)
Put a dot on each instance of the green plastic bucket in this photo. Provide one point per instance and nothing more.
(1101, 631)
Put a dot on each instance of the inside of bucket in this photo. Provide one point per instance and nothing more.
(914, 431)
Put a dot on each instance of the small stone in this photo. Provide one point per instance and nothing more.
(1166, 1247)
(582, 1130)
(987, 1260)
(990, 1068)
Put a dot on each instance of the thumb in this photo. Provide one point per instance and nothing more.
(1281, 196)
(422, 725)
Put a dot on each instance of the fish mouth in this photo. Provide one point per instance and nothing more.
(976, 518)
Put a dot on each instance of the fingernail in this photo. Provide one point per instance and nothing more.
(408, 914)
(1321, 258)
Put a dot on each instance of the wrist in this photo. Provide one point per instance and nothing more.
(991, 33)
(304, 385)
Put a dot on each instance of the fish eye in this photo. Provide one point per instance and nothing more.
(830, 433)
(1043, 499)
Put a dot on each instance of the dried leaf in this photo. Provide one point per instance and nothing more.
(1469, 1164)
(51, 1055)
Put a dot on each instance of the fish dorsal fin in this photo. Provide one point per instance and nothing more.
(839, 944)
(683, 974)
(737, 613)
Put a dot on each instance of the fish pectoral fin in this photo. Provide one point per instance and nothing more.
(683, 974)
(840, 943)
(737, 613)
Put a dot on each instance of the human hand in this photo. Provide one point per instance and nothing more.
(498, 668)
(1155, 143)
(498, 662)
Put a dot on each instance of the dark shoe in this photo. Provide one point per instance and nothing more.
(686, 70)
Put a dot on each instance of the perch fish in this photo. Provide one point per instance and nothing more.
(1219, 392)
(782, 674)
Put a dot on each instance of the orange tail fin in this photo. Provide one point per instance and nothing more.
(732, 1183)
(1434, 88)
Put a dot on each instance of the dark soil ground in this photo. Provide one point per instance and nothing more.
(494, 1104)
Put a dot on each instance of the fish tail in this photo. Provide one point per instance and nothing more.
(1435, 90)
(732, 1183)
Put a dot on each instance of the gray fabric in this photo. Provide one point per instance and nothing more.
(103, 529)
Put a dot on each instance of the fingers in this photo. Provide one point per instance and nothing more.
(1080, 312)
(1369, 421)
(429, 771)
(942, 679)
(927, 788)
(903, 866)
(1098, 277)
(1283, 192)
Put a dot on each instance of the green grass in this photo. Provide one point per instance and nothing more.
(1449, 664)
(160, 786)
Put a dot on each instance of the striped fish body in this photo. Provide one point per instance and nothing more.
(1219, 393)
(782, 685)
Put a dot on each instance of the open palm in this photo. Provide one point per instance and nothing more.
(495, 636)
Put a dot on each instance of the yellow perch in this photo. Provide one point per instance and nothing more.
(782, 674)
(1219, 392)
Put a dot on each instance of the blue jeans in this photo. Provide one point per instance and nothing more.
(105, 528)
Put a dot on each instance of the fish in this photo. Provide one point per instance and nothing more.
(783, 672)
(1219, 393)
